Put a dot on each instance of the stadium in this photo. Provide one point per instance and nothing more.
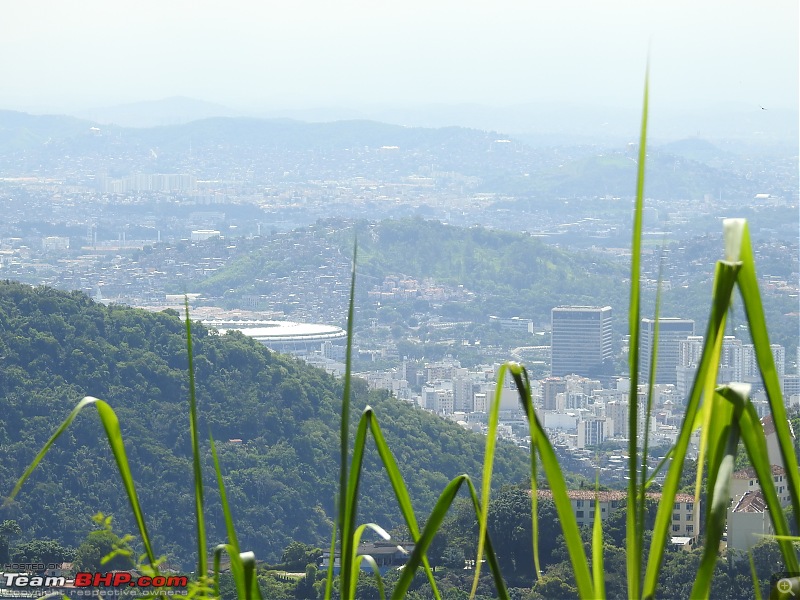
(287, 337)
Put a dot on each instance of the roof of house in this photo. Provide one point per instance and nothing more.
(750, 472)
(751, 502)
(768, 424)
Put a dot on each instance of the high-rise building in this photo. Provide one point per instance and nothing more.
(581, 341)
(671, 331)
(551, 387)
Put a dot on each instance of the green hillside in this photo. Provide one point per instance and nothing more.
(679, 171)
(511, 273)
(57, 347)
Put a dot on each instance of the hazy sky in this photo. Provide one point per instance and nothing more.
(308, 53)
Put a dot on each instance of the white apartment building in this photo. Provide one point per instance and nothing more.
(685, 512)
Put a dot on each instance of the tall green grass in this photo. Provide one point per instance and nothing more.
(724, 415)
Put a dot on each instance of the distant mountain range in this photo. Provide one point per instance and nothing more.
(550, 121)
(681, 169)
(177, 110)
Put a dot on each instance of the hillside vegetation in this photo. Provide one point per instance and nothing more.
(56, 347)
(510, 273)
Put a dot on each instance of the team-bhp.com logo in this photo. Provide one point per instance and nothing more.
(122, 578)
(86, 579)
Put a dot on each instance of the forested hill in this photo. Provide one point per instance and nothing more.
(511, 273)
(514, 272)
(56, 347)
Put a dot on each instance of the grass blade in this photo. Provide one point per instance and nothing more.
(598, 570)
(232, 547)
(357, 559)
(375, 570)
(250, 579)
(243, 587)
(756, 446)
(344, 431)
(724, 443)
(558, 487)
(751, 298)
(651, 480)
(724, 280)
(226, 511)
(634, 556)
(526, 398)
(486, 479)
(491, 557)
(111, 425)
(432, 527)
(350, 507)
(202, 558)
(651, 380)
(399, 487)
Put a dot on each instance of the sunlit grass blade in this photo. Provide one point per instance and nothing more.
(350, 507)
(202, 557)
(111, 426)
(217, 566)
(558, 488)
(526, 399)
(244, 589)
(708, 381)
(667, 457)
(356, 559)
(375, 570)
(633, 553)
(751, 298)
(233, 544)
(756, 446)
(491, 557)
(598, 570)
(431, 528)
(724, 280)
(651, 380)
(349, 543)
(486, 477)
(226, 511)
(399, 487)
(344, 429)
(252, 590)
(724, 443)
(329, 574)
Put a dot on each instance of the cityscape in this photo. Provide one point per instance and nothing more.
(422, 300)
(155, 240)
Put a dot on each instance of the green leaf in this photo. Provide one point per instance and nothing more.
(111, 426)
(634, 558)
(724, 280)
(558, 488)
(202, 558)
(751, 298)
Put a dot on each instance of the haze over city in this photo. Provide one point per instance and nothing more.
(206, 168)
(424, 63)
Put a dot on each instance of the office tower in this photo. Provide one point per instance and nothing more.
(671, 331)
(551, 387)
(581, 341)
